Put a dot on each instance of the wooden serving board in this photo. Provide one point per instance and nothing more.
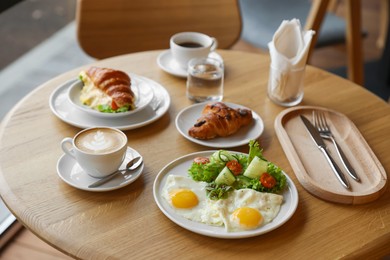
(311, 167)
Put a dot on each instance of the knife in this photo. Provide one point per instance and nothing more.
(321, 145)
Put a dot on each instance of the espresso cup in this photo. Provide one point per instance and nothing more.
(99, 150)
(188, 45)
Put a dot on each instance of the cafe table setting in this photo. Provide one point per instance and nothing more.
(115, 202)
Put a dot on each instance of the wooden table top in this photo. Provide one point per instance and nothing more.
(126, 223)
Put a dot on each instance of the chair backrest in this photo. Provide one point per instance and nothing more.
(261, 18)
(109, 28)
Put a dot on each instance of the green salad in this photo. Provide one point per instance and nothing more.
(109, 109)
(225, 171)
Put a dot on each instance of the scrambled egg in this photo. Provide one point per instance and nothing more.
(91, 95)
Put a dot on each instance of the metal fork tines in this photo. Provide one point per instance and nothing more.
(323, 128)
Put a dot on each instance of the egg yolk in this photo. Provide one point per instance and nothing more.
(248, 217)
(184, 199)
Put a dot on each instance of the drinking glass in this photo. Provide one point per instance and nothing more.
(205, 80)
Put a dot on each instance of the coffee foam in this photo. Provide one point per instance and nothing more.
(99, 141)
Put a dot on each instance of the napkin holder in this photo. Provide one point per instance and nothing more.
(289, 50)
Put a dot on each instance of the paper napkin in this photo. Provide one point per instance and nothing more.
(288, 50)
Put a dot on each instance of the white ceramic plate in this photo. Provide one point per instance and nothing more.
(142, 91)
(71, 173)
(188, 116)
(64, 110)
(180, 166)
(166, 62)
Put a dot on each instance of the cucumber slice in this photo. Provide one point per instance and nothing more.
(225, 177)
(256, 168)
(221, 157)
(225, 156)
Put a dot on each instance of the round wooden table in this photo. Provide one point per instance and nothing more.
(127, 224)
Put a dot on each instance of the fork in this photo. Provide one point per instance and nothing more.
(156, 102)
(323, 128)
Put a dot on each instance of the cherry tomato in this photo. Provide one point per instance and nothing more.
(114, 106)
(267, 180)
(201, 160)
(235, 167)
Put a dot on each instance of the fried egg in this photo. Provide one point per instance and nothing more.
(247, 209)
(188, 199)
(244, 209)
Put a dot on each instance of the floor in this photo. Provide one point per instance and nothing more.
(52, 51)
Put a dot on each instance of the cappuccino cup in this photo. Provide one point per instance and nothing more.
(188, 45)
(99, 150)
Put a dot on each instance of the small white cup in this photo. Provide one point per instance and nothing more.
(188, 45)
(98, 150)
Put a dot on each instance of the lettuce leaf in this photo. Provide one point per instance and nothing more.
(281, 180)
(108, 109)
(208, 173)
(205, 172)
(254, 150)
(243, 182)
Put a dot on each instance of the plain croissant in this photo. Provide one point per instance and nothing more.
(220, 120)
(114, 83)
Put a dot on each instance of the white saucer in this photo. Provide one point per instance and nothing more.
(166, 62)
(188, 116)
(71, 173)
(64, 110)
(142, 91)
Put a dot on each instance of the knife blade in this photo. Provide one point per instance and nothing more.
(322, 146)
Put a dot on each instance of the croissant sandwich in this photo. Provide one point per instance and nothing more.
(220, 120)
(107, 90)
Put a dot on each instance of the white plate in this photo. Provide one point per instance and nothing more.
(166, 62)
(142, 91)
(64, 110)
(188, 116)
(71, 173)
(180, 166)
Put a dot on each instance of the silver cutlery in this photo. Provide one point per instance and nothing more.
(322, 146)
(156, 104)
(323, 128)
(132, 165)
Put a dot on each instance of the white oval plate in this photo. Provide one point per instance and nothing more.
(188, 116)
(142, 91)
(166, 62)
(181, 165)
(71, 173)
(65, 111)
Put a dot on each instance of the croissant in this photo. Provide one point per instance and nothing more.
(104, 86)
(220, 120)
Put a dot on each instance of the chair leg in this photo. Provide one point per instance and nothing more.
(384, 21)
(354, 41)
(314, 20)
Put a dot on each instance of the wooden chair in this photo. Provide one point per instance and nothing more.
(110, 28)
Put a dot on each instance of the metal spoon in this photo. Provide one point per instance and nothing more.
(130, 166)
